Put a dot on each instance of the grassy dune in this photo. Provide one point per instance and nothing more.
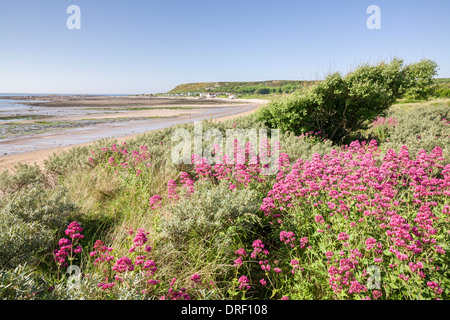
(209, 227)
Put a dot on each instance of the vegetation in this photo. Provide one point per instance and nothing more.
(257, 87)
(439, 89)
(442, 88)
(341, 105)
(361, 220)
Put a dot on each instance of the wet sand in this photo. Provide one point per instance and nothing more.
(61, 101)
(36, 148)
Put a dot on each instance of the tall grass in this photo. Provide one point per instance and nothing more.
(201, 232)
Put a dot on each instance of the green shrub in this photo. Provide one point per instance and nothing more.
(341, 105)
(21, 283)
(211, 212)
(202, 231)
(262, 91)
(444, 93)
(303, 147)
(420, 127)
(24, 175)
(29, 222)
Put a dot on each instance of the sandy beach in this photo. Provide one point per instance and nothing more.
(132, 116)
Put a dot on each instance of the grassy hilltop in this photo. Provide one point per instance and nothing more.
(441, 88)
(255, 87)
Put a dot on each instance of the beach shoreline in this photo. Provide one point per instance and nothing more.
(222, 109)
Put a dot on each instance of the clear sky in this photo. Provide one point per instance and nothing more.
(150, 46)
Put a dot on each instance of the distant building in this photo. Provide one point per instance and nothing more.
(208, 95)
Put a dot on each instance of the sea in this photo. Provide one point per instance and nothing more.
(7, 105)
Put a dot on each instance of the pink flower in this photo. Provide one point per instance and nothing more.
(435, 287)
(106, 286)
(149, 263)
(244, 283)
(238, 262)
(319, 219)
(73, 230)
(64, 242)
(241, 252)
(155, 201)
(123, 264)
(129, 231)
(376, 294)
(153, 282)
(141, 237)
(196, 278)
(403, 277)
(356, 287)
(343, 236)
(303, 242)
(172, 189)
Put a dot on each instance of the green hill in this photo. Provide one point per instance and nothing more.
(256, 87)
(442, 87)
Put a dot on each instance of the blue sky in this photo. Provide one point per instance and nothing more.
(149, 46)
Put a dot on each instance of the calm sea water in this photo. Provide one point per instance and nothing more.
(12, 105)
(16, 108)
(15, 105)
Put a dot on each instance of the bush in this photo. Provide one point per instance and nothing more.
(212, 213)
(420, 127)
(262, 91)
(24, 176)
(344, 215)
(340, 105)
(444, 93)
(29, 222)
(21, 283)
(304, 146)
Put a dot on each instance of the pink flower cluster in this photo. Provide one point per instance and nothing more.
(155, 201)
(67, 248)
(244, 283)
(118, 269)
(172, 190)
(287, 237)
(384, 122)
(258, 247)
(242, 168)
(123, 264)
(119, 158)
(187, 182)
(174, 294)
(101, 253)
(435, 287)
(342, 274)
